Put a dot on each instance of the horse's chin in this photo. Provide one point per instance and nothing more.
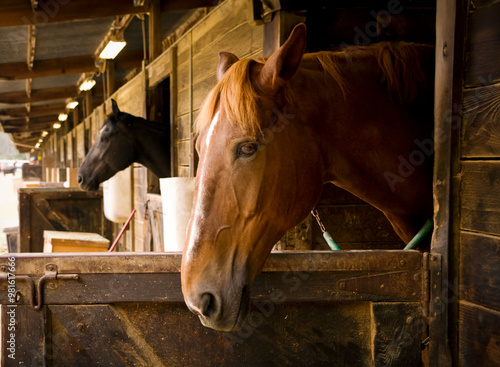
(90, 186)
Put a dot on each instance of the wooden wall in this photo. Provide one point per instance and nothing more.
(478, 227)
(191, 64)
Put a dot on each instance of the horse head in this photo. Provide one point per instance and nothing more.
(113, 151)
(259, 174)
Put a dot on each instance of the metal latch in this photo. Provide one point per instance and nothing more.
(36, 293)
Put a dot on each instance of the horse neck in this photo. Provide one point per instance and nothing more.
(153, 146)
(357, 128)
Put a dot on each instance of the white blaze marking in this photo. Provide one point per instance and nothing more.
(214, 122)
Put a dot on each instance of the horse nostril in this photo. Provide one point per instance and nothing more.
(208, 305)
(79, 179)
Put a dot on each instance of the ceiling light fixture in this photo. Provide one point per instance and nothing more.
(56, 125)
(71, 104)
(44, 134)
(113, 48)
(87, 85)
(62, 117)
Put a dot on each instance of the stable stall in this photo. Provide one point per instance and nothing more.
(370, 304)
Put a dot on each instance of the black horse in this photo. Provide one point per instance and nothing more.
(123, 140)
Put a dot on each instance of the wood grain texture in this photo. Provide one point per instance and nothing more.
(29, 335)
(480, 127)
(483, 46)
(479, 336)
(106, 335)
(479, 270)
(396, 333)
(480, 201)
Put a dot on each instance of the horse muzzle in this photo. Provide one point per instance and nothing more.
(224, 313)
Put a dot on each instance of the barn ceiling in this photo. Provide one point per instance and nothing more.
(46, 46)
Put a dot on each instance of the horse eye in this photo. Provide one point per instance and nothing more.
(247, 149)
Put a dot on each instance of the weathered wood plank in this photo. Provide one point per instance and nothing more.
(182, 128)
(296, 285)
(202, 88)
(181, 151)
(483, 46)
(106, 335)
(276, 334)
(480, 202)
(160, 68)
(241, 41)
(28, 336)
(396, 334)
(63, 349)
(354, 223)
(183, 77)
(479, 333)
(111, 263)
(219, 22)
(480, 128)
(479, 265)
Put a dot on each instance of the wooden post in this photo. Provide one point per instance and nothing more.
(154, 29)
(110, 78)
(278, 28)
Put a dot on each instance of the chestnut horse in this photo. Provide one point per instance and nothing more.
(274, 130)
(123, 140)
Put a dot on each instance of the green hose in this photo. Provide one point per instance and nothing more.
(424, 232)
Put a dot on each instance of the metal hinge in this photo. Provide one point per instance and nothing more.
(36, 292)
(431, 284)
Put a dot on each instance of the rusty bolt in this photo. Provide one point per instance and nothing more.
(409, 320)
(51, 285)
(402, 262)
(80, 326)
(342, 285)
(3, 268)
(51, 267)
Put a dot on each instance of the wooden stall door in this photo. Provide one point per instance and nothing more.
(58, 209)
(356, 308)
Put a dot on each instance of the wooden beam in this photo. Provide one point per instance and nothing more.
(39, 95)
(173, 5)
(35, 111)
(44, 68)
(18, 13)
(36, 129)
(32, 121)
(110, 78)
(31, 47)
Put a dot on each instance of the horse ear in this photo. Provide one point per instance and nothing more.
(281, 66)
(114, 106)
(226, 59)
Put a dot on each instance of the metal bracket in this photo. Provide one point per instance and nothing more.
(36, 292)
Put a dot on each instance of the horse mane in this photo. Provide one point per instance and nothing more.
(399, 65)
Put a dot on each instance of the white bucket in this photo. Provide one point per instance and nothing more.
(117, 196)
(177, 200)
